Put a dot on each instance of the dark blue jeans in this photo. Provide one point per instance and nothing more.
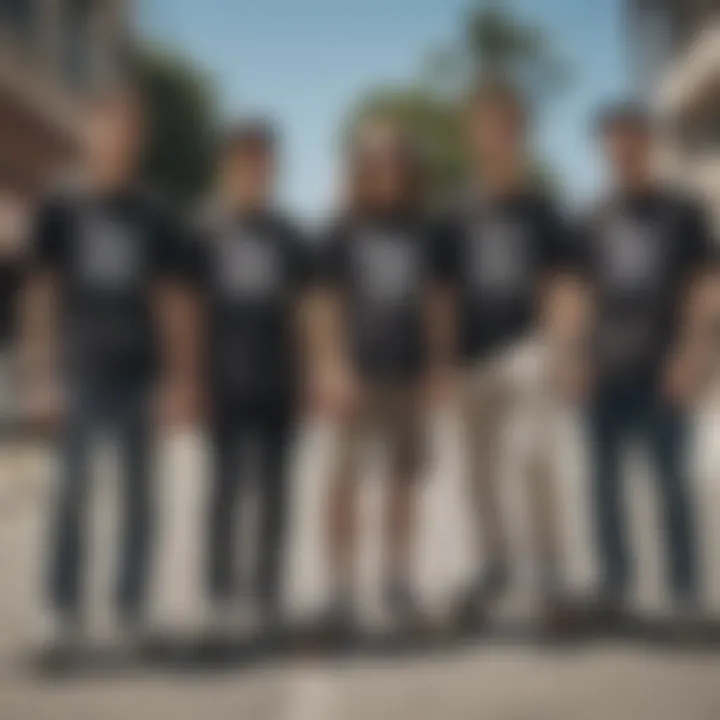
(621, 414)
(270, 425)
(121, 410)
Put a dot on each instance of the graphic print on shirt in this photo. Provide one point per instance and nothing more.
(499, 263)
(633, 265)
(247, 268)
(632, 258)
(388, 269)
(109, 255)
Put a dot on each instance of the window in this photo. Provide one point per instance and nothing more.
(17, 18)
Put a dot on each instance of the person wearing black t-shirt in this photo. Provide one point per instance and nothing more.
(252, 268)
(376, 272)
(646, 251)
(106, 260)
(498, 253)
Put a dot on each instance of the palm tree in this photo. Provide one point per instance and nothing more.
(491, 41)
(494, 42)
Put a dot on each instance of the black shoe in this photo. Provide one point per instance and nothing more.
(404, 607)
(60, 643)
(609, 613)
(338, 620)
(564, 618)
(472, 608)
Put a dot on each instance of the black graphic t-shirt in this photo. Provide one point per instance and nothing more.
(252, 270)
(640, 254)
(108, 253)
(382, 266)
(495, 253)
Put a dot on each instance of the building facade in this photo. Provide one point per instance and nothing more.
(676, 46)
(51, 52)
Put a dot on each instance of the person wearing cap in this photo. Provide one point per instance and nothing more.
(646, 251)
(252, 267)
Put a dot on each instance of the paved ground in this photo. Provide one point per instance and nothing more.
(493, 681)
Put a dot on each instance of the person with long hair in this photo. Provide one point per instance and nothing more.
(375, 271)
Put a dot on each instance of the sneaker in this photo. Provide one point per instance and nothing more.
(610, 612)
(224, 617)
(58, 639)
(688, 622)
(403, 606)
(338, 618)
(133, 632)
(475, 601)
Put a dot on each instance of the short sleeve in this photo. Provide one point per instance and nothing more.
(699, 247)
(174, 254)
(580, 233)
(444, 241)
(300, 259)
(50, 233)
(559, 247)
(331, 257)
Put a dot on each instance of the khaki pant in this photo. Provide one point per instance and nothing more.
(509, 385)
(391, 413)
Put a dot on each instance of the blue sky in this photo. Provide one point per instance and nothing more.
(304, 62)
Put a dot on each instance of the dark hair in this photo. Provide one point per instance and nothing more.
(494, 91)
(255, 135)
(400, 146)
(627, 114)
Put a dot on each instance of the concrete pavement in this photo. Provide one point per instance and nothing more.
(492, 681)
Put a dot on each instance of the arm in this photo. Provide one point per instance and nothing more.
(331, 376)
(332, 379)
(39, 344)
(442, 310)
(39, 321)
(180, 342)
(566, 322)
(567, 307)
(442, 340)
(694, 358)
(179, 313)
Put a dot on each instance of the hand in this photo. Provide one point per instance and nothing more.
(440, 387)
(679, 384)
(44, 404)
(178, 404)
(576, 384)
(335, 391)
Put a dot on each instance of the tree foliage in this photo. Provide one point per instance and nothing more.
(491, 40)
(183, 122)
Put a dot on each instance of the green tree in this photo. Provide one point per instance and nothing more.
(491, 40)
(430, 120)
(494, 41)
(183, 121)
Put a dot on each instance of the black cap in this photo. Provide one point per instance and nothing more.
(628, 114)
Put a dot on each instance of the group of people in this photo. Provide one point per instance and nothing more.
(236, 319)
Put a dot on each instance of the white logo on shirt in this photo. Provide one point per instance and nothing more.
(499, 262)
(632, 258)
(109, 254)
(248, 268)
(388, 267)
